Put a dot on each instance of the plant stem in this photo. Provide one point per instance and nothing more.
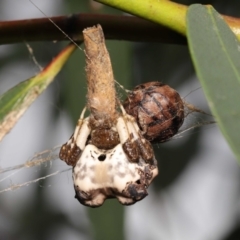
(115, 27)
(166, 13)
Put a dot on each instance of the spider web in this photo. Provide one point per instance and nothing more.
(47, 157)
(44, 158)
(195, 118)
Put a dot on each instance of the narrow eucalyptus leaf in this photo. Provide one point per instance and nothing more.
(16, 101)
(215, 51)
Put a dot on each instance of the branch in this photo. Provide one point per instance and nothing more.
(115, 27)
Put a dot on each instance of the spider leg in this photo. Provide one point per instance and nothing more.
(127, 140)
(134, 144)
(72, 149)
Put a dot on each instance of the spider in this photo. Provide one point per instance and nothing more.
(110, 159)
(109, 155)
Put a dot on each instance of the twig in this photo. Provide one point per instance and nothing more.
(115, 27)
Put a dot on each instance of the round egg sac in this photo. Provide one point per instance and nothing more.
(158, 110)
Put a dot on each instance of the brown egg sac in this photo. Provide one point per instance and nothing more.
(158, 109)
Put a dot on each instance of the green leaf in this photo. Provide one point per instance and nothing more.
(16, 101)
(215, 51)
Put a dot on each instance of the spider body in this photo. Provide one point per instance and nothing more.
(114, 162)
(102, 174)
(109, 155)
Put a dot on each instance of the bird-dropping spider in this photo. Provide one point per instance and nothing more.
(109, 155)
